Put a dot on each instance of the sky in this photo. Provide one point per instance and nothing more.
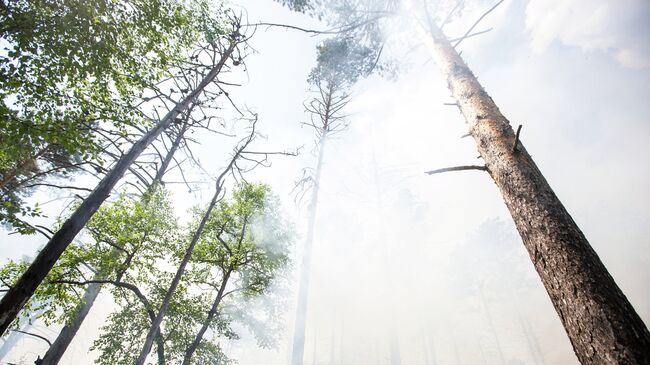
(434, 263)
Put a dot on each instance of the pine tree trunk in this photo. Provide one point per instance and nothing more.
(602, 325)
(298, 352)
(24, 288)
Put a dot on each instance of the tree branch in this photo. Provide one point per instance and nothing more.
(457, 168)
(476, 23)
(34, 335)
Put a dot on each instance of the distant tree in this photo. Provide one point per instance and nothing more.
(340, 63)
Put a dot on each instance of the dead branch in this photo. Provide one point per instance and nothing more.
(476, 23)
(457, 168)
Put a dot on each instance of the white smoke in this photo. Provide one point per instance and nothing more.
(619, 28)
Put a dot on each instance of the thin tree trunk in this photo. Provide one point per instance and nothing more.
(208, 320)
(56, 351)
(529, 340)
(303, 289)
(170, 154)
(602, 325)
(155, 325)
(24, 288)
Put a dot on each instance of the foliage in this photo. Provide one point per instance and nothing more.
(73, 68)
(245, 235)
(341, 61)
(244, 249)
(128, 237)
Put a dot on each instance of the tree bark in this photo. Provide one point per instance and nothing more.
(170, 154)
(602, 325)
(298, 352)
(206, 324)
(24, 288)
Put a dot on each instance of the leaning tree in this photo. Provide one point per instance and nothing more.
(600, 322)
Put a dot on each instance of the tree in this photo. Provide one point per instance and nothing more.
(118, 255)
(601, 323)
(243, 250)
(57, 349)
(340, 62)
(71, 70)
(22, 290)
(235, 168)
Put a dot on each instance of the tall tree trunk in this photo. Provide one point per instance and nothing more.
(602, 325)
(208, 320)
(303, 290)
(172, 150)
(67, 333)
(24, 288)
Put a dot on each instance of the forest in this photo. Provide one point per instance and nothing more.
(320, 182)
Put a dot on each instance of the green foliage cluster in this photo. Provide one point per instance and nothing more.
(341, 61)
(133, 247)
(69, 68)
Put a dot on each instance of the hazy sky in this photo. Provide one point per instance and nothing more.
(435, 260)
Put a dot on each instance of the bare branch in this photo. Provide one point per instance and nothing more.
(476, 23)
(34, 335)
(457, 168)
(514, 145)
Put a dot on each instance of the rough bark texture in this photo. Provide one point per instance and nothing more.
(602, 325)
(298, 351)
(24, 288)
